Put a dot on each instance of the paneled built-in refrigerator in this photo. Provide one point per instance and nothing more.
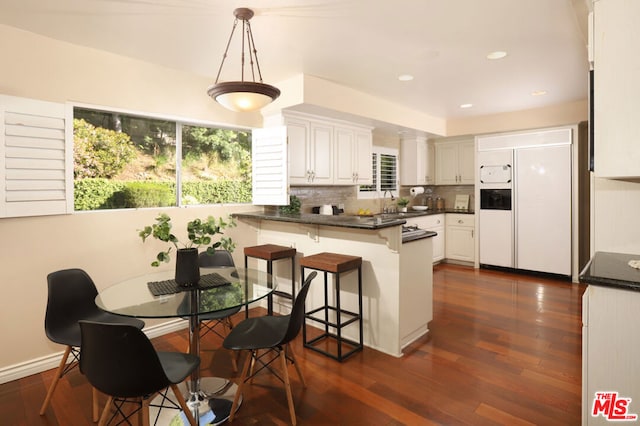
(525, 217)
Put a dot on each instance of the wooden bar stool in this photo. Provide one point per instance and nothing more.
(271, 253)
(335, 264)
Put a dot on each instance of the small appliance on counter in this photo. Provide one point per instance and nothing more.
(327, 209)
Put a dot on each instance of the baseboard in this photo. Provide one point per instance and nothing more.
(48, 362)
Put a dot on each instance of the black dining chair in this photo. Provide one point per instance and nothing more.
(120, 361)
(71, 298)
(272, 334)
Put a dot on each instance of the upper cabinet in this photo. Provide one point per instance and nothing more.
(353, 148)
(455, 162)
(616, 88)
(327, 152)
(416, 161)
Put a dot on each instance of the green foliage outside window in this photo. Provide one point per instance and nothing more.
(126, 161)
(99, 152)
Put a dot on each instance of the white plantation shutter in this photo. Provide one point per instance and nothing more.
(36, 168)
(269, 166)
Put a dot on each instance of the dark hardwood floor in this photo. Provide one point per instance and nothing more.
(503, 349)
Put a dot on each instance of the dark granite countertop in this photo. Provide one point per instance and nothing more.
(378, 221)
(612, 270)
(326, 220)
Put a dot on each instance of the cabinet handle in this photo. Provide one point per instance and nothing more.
(472, 233)
(460, 221)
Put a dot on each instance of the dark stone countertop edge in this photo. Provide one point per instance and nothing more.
(607, 269)
(316, 219)
(345, 221)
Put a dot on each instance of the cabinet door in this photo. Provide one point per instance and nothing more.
(616, 88)
(430, 170)
(433, 223)
(363, 165)
(466, 163)
(321, 165)
(459, 243)
(438, 243)
(446, 164)
(459, 237)
(413, 157)
(345, 150)
(298, 147)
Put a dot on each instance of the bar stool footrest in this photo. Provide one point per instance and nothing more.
(354, 316)
(311, 344)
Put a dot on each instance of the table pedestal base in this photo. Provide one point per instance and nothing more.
(213, 403)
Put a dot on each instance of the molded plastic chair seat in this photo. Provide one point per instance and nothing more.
(271, 333)
(120, 361)
(71, 298)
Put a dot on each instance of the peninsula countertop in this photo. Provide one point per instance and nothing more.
(378, 221)
(612, 270)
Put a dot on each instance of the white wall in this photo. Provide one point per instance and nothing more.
(105, 244)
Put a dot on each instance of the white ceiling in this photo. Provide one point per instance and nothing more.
(364, 44)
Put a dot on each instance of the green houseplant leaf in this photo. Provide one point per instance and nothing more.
(199, 233)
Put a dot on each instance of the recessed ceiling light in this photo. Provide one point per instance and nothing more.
(466, 105)
(498, 54)
(405, 77)
(538, 92)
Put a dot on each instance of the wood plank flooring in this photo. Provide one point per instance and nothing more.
(504, 349)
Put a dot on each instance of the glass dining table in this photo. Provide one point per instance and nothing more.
(156, 295)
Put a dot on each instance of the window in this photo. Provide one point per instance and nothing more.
(130, 161)
(385, 173)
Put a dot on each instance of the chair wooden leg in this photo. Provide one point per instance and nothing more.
(243, 377)
(228, 325)
(143, 414)
(287, 386)
(292, 354)
(95, 405)
(105, 412)
(183, 404)
(56, 378)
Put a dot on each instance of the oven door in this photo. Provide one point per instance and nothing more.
(495, 199)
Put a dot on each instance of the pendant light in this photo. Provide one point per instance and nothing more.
(243, 96)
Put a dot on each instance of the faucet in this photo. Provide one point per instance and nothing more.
(386, 209)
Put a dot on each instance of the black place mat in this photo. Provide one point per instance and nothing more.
(161, 288)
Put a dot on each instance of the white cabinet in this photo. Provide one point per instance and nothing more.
(433, 223)
(310, 152)
(326, 152)
(610, 348)
(455, 162)
(460, 235)
(616, 40)
(353, 163)
(416, 162)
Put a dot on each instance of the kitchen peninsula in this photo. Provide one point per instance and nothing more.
(397, 277)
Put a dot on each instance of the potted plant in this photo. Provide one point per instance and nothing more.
(403, 203)
(199, 233)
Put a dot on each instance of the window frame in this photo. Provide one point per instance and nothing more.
(179, 123)
(377, 192)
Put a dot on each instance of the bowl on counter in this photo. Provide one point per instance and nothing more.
(420, 208)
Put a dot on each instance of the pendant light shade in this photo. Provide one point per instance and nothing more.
(243, 96)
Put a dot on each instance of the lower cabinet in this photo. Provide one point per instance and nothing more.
(460, 237)
(433, 223)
